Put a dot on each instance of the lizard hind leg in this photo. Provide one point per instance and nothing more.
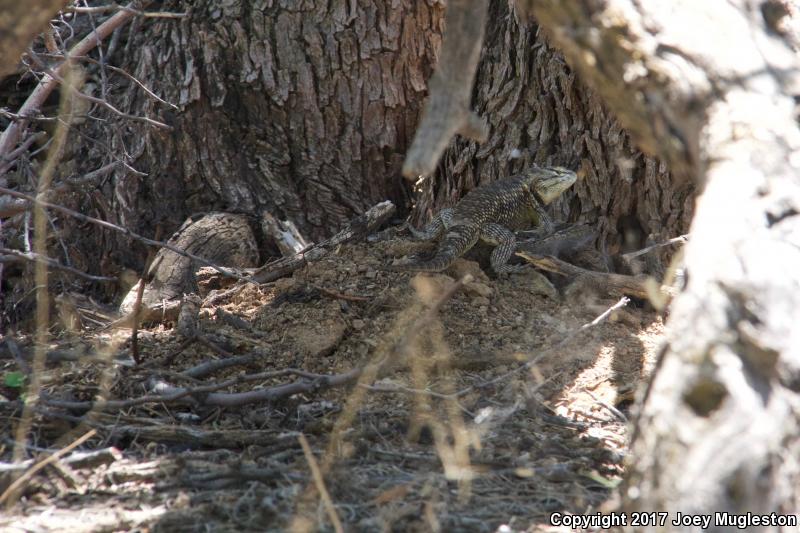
(505, 243)
(435, 228)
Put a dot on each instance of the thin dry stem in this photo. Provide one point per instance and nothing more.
(42, 294)
(13, 489)
(320, 484)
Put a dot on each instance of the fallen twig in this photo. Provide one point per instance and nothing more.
(682, 239)
(206, 395)
(90, 459)
(604, 282)
(17, 484)
(52, 263)
(360, 226)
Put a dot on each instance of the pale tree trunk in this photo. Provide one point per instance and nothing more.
(708, 86)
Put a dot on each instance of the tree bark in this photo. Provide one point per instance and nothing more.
(540, 112)
(720, 427)
(300, 109)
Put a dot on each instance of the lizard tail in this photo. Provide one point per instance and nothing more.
(455, 244)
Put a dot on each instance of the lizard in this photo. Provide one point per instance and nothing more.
(490, 213)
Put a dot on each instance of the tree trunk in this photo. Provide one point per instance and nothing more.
(301, 109)
(719, 431)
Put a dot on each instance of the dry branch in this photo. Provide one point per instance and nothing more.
(205, 395)
(13, 255)
(604, 282)
(37, 98)
(447, 111)
(359, 227)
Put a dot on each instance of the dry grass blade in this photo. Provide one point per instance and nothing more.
(320, 484)
(42, 294)
(9, 494)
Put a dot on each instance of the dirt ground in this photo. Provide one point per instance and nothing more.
(483, 406)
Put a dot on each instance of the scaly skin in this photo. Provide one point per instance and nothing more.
(490, 213)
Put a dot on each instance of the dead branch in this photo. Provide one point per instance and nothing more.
(91, 459)
(205, 395)
(10, 206)
(14, 488)
(99, 101)
(12, 255)
(209, 367)
(447, 111)
(114, 7)
(359, 227)
(37, 98)
(604, 282)
(285, 234)
(681, 239)
(121, 72)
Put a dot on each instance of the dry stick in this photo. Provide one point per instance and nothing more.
(124, 231)
(208, 396)
(17, 484)
(99, 101)
(608, 282)
(683, 239)
(359, 226)
(40, 276)
(124, 73)
(447, 110)
(115, 7)
(9, 209)
(34, 257)
(320, 483)
(37, 98)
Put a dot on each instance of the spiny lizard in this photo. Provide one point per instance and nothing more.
(489, 213)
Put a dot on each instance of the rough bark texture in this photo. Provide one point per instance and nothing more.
(20, 22)
(540, 112)
(223, 238)
(302, 109)
(720, 427)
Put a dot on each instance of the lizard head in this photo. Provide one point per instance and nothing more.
(547, 183)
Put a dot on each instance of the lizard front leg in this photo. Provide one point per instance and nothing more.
(435, 228)
(545, 225)
(505, 243)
